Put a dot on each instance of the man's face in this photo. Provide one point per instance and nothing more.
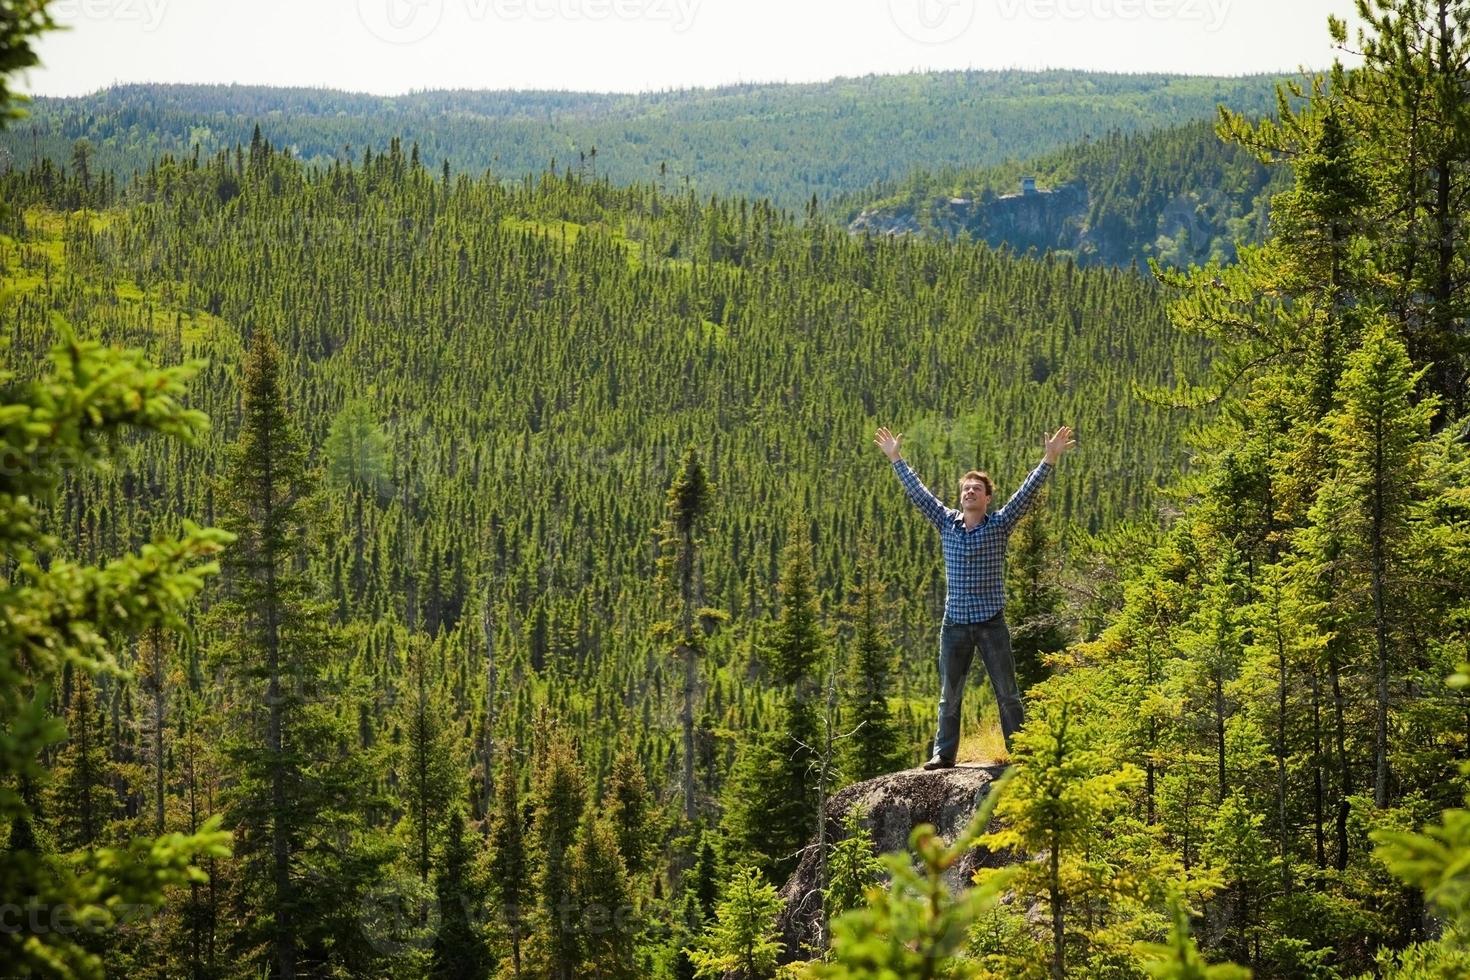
(974, 496)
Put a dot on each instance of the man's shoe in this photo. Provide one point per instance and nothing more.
(939, 763)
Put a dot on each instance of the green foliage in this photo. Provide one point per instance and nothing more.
(459, 951)
(1034, 595)
(852, 867)
(296, 801)
(1275, 654)
(558, 800)
(761, 780)
(357, 450)
(507, 864)
(875, 745)
(794, 644)
(1235, 848)
(427, 767)
(702, 881)
(785, 142)
(743, 935)
(1444, 959)
(1060, 805)
(21, 21)
(1436, 861)
(630, 809)
(1180, 958)
(686, 506)
(1416, 56)
(82, 798)
(1378, 435)
(58, 616)
(602, 902)
(540, 352)
(689, 498)
(771, 811)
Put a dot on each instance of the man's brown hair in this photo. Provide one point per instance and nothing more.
(983, 477)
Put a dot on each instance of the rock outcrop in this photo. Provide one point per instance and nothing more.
(892, 805)
(1040, 220)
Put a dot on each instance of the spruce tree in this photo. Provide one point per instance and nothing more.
(1238, 852)
(629, 807)
(508, 865)
(917, 925)
(687, 505)
(296, 799)
(703, 880)
(459, 950)
(81, 797)
(357, 451)
(428, 763)
(751, 832)
(1210, 642)
(1057, 806)
(1033, 596)
(852, 867)
(1409, 98)
(603, 906)
(1377, 435)
(20, 24)
(154, 671)
(772, 792)
(558, 798)
(743, 937)
(1180, 958)
(874, 745)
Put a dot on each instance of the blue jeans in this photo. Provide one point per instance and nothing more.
(957, 643)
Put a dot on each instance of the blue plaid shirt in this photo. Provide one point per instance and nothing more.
(974, 560)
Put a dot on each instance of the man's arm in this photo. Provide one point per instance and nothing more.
(929, 505)
(1022, 499)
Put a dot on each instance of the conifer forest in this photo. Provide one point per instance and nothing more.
(428, 554)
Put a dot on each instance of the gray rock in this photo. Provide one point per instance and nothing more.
(892, 805)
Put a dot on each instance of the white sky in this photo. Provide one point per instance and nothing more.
(393, 46)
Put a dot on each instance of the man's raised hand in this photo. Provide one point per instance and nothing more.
(888, 442)
(1059, 443)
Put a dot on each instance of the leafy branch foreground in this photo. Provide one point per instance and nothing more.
(58, 617)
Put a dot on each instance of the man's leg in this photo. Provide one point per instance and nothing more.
(995, 651)
(956, 650)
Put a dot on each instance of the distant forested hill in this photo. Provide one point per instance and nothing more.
(1178, 194)
(785, 142)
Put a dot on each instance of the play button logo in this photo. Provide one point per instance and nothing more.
(400, 21)
(932, 21)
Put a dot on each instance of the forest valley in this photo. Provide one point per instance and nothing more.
(410, 573)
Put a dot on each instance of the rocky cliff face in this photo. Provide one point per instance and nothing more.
(1044, 219)
(892, 805)
(1175, 225)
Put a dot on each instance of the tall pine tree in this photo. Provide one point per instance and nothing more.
(294, 805)
(874, 745)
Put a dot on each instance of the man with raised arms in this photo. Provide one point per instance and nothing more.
(974, 546)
